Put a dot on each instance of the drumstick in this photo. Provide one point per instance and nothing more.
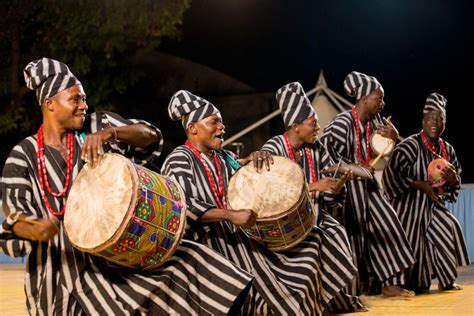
(337, 167)
(381, 154)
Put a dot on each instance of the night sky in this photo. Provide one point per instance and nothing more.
(412, 47)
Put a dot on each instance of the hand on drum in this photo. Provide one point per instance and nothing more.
(259, 158)
(244, 218)
(92, 148)
(42, 229)
(427, 188)
(449, 174)
(324, 184)
(387, 129)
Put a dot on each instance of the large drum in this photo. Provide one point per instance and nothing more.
(125, 213)
(280, 199)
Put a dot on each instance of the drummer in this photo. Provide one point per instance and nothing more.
(286, 282)
(300, 143)
(435, 234)
(36, 180)
(379, 244)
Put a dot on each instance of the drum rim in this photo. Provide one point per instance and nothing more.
(389, 149)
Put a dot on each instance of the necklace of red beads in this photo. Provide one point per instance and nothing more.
(442, 145)
(312, 169)
(217, 191)
(358, 139)
(43, 172)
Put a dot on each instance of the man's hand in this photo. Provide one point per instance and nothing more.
(387, 130)
(259, 158)
(425, 187)
(244, 218)
(449, 174)
(325, 184)
(92, 148)
(42, 229)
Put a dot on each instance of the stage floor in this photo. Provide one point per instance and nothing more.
(459, 303)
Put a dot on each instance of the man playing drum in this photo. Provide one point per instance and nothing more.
(286, 282)
(36, 180)
(300, 144)
(379, 244)
(418, 199)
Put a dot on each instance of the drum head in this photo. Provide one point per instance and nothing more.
(99, 200)
(381, 144)
(267, 193)
(435, 172)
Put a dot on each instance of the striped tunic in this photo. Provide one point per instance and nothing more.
(62, 280)
(379, 244)
(332, 231)
(434, 233)
(287, 282)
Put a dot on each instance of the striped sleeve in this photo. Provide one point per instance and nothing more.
(336, 138)
(451, 194)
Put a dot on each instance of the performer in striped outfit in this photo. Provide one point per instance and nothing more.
(434, 233)
(379, 244)
(300, 144)
(286, 282)
(36, 179)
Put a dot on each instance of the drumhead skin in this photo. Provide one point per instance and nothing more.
(379, 144)
(267, 193)
(86, 219)
(435, 172)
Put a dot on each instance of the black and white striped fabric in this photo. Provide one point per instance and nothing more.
(62, 280)
(434, 233)
(189, 108)
(333, 233)
(435, 102)
(379, 244)
(286, 283)
(294, 104)
(359, 85)
(48, 77)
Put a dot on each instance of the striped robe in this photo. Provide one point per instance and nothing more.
(287, 282)
(379, 244)
(62, 280)
(332, 231)
(434, 233)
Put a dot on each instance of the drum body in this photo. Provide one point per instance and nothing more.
(280, 199)
(435, 172)
(125, 213)
(381, 145)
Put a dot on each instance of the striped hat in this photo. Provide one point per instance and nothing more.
(359, 85)
(48, 77)
(435, 102)
(294, 104)
(189, 108)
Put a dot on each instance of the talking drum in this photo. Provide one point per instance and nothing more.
(435, 172)
(381, 145)
(280, 200)
(125, 213)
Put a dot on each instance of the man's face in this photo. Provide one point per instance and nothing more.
(210, 132)
(433, 124)
(308, 130)
(375, 102)
(69, 107)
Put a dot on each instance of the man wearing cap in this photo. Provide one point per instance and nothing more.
(300, 143)
(379, 244)
(434, 233)
(286, 282)
(36, 179)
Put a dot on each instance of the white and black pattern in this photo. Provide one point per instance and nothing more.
(434, 233)
(294, 104)
(359, 85)
(334, 233)
(48, 77)
(287, 282)
(62, 280)
(435, 102)
(379, 244)
(189, 108)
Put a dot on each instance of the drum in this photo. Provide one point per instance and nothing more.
(125, 213)
(381, 145)
(280, 199)
(435, 172)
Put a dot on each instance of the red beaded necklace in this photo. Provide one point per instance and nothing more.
(312, 169)
(218, 194)
(43, 172)
(432, 150)
(358, 139)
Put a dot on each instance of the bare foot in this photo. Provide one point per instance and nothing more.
(451, 287)
(393, 290)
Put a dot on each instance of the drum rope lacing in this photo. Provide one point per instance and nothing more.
(218, 194)
(43, 172)
(312, 169)
(442, 145)
(358, 139)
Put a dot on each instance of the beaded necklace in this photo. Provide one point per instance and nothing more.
(218, 194)
(312, 170)
(432, 150)
(358, 139)
(43, 172)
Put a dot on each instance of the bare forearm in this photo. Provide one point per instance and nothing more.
(24, 230)
(136, 135)
(215, 215)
